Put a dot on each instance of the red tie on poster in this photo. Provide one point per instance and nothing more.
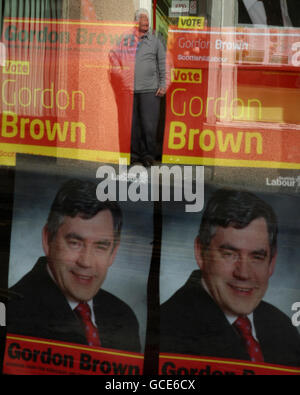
(84, 312)
(88, 10)
(243, 325)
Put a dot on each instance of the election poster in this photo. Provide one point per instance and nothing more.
(236, 257)
(233, 97)
(79, 233)
(189, 266)
(66, 89)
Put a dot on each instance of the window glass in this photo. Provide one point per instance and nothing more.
(149, 178)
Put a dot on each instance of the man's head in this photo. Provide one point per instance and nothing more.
(81, 239)
(236, 249)
(142, 17)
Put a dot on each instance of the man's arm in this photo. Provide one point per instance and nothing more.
(161, 63)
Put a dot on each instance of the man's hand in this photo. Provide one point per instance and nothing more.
(160, 92)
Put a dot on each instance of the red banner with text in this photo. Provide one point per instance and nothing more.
(32, 356)
(172, 364)
(233, 98)
(64, 87)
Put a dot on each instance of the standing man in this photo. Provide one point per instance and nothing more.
(219, 312)
(61, 297)
(149, 87)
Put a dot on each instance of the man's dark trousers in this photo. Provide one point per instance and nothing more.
(145, 118)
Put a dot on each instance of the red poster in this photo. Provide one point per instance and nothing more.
(201, 366)
(234, 97)
(32, 356)
(62, 87)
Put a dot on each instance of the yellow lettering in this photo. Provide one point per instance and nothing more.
(35, 96)
(192, 134)
(44, 91)
(221, 102)
(235, 106)
(58, 93)
(212, 140)
(12, 125)
(207, 104)
(9, 124)
(250, 101)
(56, 130)
(28, 91)
(37, 133)
(82, 131)
(259, 142)
(235, 145)
(24, 121)
(177, 134)
(201, 106)
(179, 114)
(5, 97)
(74, 93)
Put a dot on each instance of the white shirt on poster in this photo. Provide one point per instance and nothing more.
(74, 304)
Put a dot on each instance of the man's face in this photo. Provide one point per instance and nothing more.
(143, 23)
(80, 254)
(237, 266)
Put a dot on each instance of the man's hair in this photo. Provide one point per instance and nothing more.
(139, 12)
(78, 198)
(236, 208)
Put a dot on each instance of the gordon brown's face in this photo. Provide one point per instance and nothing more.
(237, 266)
(80, 254)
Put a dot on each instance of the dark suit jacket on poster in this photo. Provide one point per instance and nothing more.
(44, 312)
(192, 323)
